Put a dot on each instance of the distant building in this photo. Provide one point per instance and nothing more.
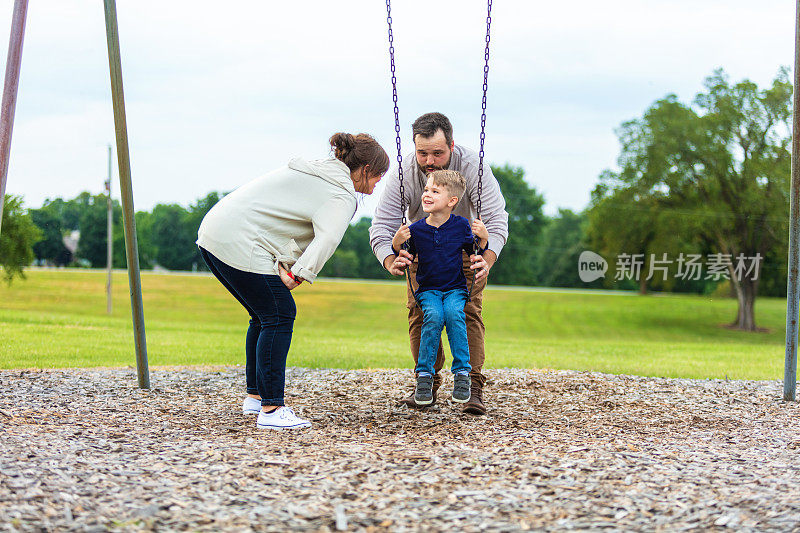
(71, 240)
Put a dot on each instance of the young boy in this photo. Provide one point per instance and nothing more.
(437, 241)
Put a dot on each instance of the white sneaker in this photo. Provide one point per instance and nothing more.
(251, 406)
(281, 418)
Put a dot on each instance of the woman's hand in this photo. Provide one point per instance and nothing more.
(402, 235)
(286, 279)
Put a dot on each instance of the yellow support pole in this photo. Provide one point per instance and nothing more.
(126, 191)
(10, 88)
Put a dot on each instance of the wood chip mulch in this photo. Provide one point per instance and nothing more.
(86, 450)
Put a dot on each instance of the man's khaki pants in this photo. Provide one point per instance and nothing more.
(475, 328)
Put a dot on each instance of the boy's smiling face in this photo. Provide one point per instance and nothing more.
(437, 198)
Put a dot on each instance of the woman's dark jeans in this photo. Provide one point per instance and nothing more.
(272, 313)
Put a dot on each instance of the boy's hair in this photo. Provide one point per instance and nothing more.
(452, 180)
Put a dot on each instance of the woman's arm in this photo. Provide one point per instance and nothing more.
(330, 222)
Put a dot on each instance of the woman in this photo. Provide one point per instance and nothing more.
(268, 236)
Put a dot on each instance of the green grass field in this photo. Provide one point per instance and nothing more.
(58, 319)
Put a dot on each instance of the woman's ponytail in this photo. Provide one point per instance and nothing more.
(355, 151)
(343, 145)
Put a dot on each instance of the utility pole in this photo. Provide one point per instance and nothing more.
(110, 233)
(10, 88)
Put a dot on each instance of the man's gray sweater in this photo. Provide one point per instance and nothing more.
(388, 216)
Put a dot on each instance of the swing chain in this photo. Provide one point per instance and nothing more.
(483, 107)
(396, 114)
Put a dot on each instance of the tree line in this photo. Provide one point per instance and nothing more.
(707, 179)
(166, 235)
(543, 249)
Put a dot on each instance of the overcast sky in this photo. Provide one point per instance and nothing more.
(219, 93)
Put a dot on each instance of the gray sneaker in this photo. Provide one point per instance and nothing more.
(424, 393)
(461, 388)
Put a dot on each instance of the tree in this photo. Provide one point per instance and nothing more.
(562, 241)
(50, 249)
(525, 223)
(18, 234)
(622, 222)
(354, 258)
(721, 165)
(147, 252)
(171, 233)
(173, 237)
(774, 275)
(58, 217)
(342, 264)
(93, 227)
(197, 211)
(68, 212)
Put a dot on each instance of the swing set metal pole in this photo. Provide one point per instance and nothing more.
(10, 88)
(126, 192)
(109, 236)
(792, 294)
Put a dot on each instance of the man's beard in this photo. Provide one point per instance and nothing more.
(427, 170)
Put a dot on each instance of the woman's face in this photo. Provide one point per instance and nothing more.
(368, 182)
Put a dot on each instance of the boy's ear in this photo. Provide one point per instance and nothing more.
(453, 201)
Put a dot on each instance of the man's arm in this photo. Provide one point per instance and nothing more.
(386, 221)
(489, 257)
(493, 212)
(493, 215)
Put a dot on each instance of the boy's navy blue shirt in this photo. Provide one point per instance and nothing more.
(438, 251)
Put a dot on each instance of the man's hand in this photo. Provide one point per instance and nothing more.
(482, 263)
(402, 235)
(289, 282)
(396, 264)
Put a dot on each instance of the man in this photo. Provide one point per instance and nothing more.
(436, 150)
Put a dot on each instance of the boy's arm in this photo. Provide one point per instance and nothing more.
(400, 237)
(404, 236)
(470, 246)
(471, 240)
(412, 248)
(482, 234)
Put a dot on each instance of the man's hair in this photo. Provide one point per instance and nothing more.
(452, 180)
(429, 123)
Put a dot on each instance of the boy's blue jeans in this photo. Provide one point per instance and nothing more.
(443, 309)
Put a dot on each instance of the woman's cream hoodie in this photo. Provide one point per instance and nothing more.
(295, 215)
